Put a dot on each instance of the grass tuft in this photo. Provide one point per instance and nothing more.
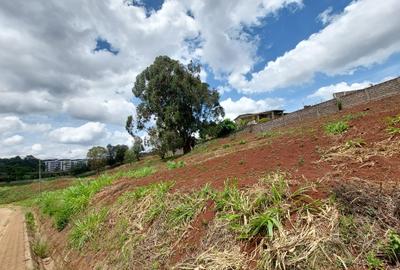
(336, 128)
(174, 165)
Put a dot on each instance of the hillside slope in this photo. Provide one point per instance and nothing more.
(319, 194)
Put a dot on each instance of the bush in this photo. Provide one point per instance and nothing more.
(30, 222)
(226, 127)
(336, 127)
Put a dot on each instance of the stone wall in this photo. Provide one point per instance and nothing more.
(351, 99)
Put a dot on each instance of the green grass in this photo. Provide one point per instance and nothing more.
(393, 124)
(373, 262)
(336, 128)
(354, 116)
(138, 173)
(226, 146)
(262, 224)
(30, 222)
(62, 205)
(86, 228)
(18, 193)
(242, 142)
(40, 248)
(175, 164)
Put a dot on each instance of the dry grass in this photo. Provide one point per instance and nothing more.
(361, 153)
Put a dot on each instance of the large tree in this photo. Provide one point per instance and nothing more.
(173, 95)
(97, 158)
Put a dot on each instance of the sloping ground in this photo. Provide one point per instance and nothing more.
(323, 201)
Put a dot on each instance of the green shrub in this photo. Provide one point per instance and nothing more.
(242, 142)
(264, 120)
(86, 228)
(393, 249)
(336, 127)
(173, 165)
(40, 248)
(225, 128)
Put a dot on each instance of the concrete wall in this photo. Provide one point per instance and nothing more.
(375, 92)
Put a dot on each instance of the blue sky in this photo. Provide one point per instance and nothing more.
(66, 78)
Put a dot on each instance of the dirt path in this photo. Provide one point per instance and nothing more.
(12, 240)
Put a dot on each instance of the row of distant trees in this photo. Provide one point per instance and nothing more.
(112, 155)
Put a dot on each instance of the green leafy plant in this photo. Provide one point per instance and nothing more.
(353, 116)
(86, 228)
(242, 142)
(393, 248)
(373, 262)
(336, 128)
(262, 224)
(226, 146)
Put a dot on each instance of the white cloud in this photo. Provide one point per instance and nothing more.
(364, 34)
(37, 147)
(248, 105)
(13, 140)
(223, 43)
(326, 16)
(326, 92)
(10, 124)
(88, 133)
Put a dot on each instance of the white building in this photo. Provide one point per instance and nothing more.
(63, 165)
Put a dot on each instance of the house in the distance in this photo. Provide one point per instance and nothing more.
(253, 118)
(63, 165)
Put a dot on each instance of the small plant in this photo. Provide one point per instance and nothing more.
(393, 125)
(264, 120)
(174, 165)
(339, 104)
(242, 142)
(30, 222)
(393, 249)
(355, 143)
(336, 128)
(241, 162)
(139, 173)
(373, 262)
(226, 146)
(301, 161)
(86, 228)
(40, 248)
(263, 224)
(349, 117)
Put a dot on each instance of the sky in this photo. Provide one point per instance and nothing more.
(67, 68)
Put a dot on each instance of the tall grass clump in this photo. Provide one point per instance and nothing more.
(393, 125)
(86, 228)
(62, 205)
(336, 128)
(30, 222)
(174, 165)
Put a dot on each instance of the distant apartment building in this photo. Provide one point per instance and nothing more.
(63, 165)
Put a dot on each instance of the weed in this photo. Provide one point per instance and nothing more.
(62, 205)
(393, 247)
(30, 222)
(268, 134)
(241, 162)
(393, 125)
(349, 117)
(262, 224)
(354, 143)
(226, 146)
(40, 248)
(336, 128)
(173, 165)
(242, 142)
(85, 228)
(300, 162)
(373, 262)
(138, 173)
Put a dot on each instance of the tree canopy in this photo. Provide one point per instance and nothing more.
(173, 96)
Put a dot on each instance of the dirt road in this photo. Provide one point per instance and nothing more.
(12, 240)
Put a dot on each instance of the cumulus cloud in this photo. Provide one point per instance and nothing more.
(344, 45)
(326, 92)
(88, 133)
(13, 140)
(10, 124)
(247, 105)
